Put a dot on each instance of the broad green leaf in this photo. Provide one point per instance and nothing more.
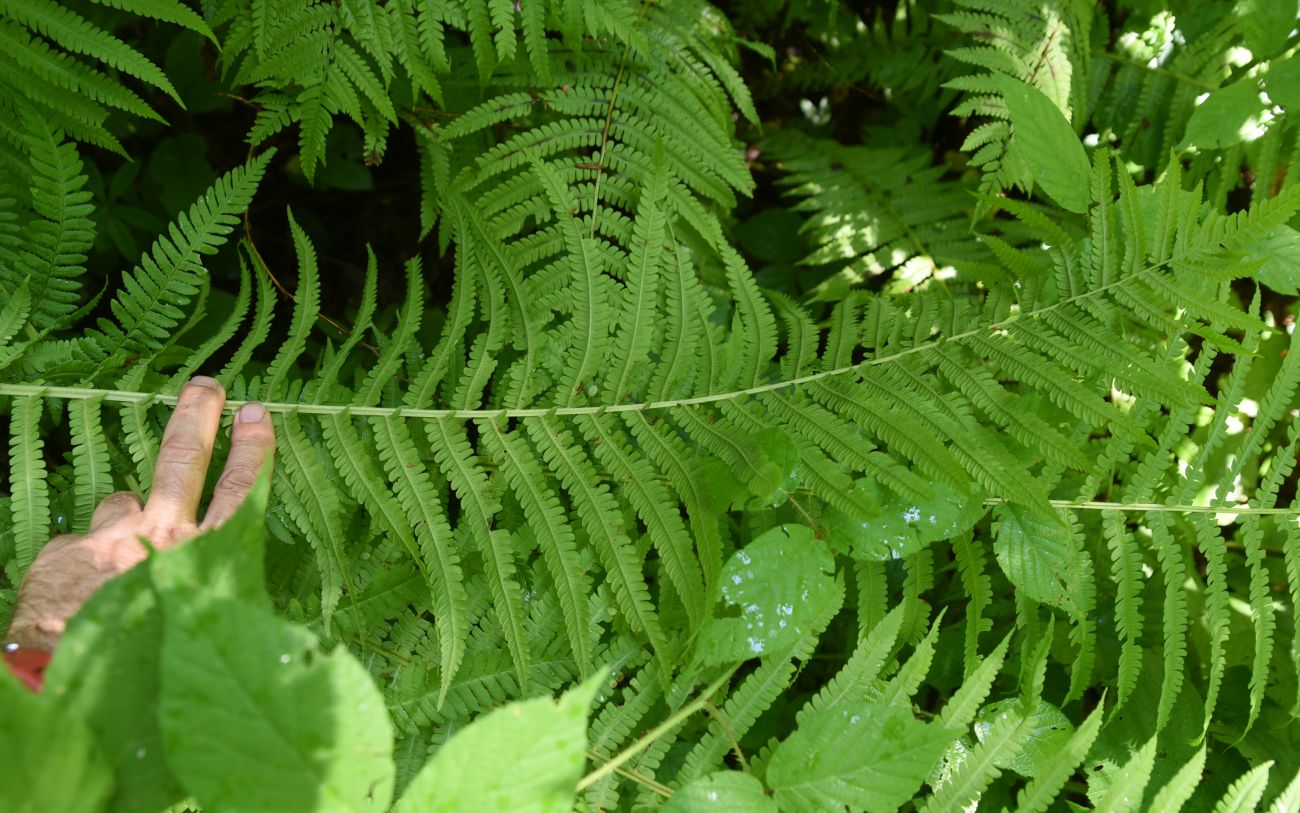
(904, 525)
(255, 717)
(1229, 115)
(863, 755)
(1049, 730)
(48, 759)
(1038, 555)
(774, 588)
(106, 673)
(1283, 83)
(1266, 24)
(1047, 144)
(721, 792)
(527, 756)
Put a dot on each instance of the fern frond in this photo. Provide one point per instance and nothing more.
(440, 560)
(91, 476)
(149, 305)
(29, 499)
(480, 504)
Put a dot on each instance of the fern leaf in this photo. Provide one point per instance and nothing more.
(603, 521)
(1174, 618)
(223, 334)
(147, 309)
(548, 523)
(441, 561)
(305, 306)
(1288, 799)
(315, 509)
(54, 246)
(901, 688)
(386, 367)
(755, 695)
(1180, 788)
(13, 316)
(75, 34)
(263, 313)
(960, 711)
(862, 669)
(635, 323)
(1244, 794)
(1126, 569)
(29, 493)
(479, 505)
(970, 564)
(1261, 615)
(171, 11)
(1038, 795)
(659, 513)
(91, 476)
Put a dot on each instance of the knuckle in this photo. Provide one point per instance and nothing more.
(238, 478)
(120, 498)
(181, 450)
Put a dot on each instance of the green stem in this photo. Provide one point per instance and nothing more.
(655, 733)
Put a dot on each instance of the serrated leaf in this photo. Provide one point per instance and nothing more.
(1046, 143)
(1049, 730)
(864, 756)
(48, 760)
(721, 792)
(779, 583)
(527, 756)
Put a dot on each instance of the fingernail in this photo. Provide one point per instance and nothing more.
(205, 381)
(251, 413)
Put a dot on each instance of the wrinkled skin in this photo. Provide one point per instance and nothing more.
(69, 569)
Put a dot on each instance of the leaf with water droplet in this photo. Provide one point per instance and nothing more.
(864, 756)
(772, 589)
(904, 525)
(721, 792)
(1049, 731)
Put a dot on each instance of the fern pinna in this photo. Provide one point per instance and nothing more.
(993, 508)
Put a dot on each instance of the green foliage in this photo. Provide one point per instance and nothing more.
(930, 448)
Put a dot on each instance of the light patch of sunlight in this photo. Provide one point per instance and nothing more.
(1154, 44)
(1240, 56)
(1234, 425)
(1091, 140)
(1204, 416)
(1256, 126)
(1200, 100)
(1248, 407)
(848, 237)
(1239, 606)
(818, 113)
(1147, 572)
(945, 273)
(1121, 399)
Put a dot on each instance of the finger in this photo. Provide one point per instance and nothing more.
(119, 505)
(186, 449)
(252, 446)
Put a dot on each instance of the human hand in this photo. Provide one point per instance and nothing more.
(69, 569)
